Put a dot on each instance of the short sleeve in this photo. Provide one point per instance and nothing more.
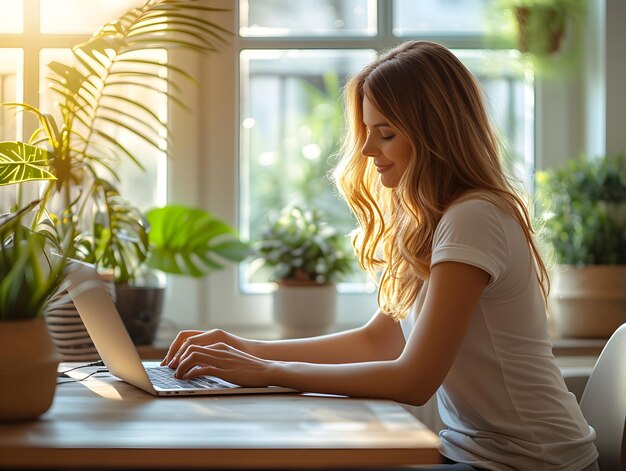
(472, 232)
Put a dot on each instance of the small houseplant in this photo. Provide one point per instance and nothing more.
(173, 239)
(306, 258)
(584, 218)
(548, 33)
(182, 241)
(29, 276)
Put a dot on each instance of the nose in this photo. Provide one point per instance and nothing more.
(368, 149)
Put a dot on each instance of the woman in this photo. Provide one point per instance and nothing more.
(462, 287)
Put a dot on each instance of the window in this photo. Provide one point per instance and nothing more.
(291, 75)
(269, 96)
(10, 74)
(42, 31)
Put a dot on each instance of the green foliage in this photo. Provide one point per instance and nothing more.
(174, 239)
(83, 146)
(299, 245)
(549, 33)
(584, 211)
(20, 162)
(117, 238)
(28, 274)
(185, 241)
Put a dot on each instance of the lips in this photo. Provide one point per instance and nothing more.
(380, 168)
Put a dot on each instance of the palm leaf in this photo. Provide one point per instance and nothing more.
(45, 119)
(102, 61)
(152, 63)
(173, 98)
(132, 129)
(133, 107)
(88, 93)
(21, 162)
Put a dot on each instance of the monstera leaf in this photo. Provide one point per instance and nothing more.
(190, 241)
(21, 162)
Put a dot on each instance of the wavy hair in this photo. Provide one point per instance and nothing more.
(431, 100)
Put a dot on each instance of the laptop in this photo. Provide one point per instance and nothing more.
(118, 353)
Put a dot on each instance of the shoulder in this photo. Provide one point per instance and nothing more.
(471, 208)
(473, 231)
(474, 218)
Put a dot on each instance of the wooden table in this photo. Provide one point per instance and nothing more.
(103, 422)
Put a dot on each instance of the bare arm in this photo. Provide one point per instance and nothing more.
(453, 296)
(380, 339)
(429, 353)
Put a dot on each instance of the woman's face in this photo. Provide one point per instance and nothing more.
(390, 151)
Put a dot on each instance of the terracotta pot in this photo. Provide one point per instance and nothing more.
(546, 21)
(304, 310)
(28, 356)
(588, 302)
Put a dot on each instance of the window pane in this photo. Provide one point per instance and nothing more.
(291, 122)
(509, 96)
(12, 16)
(446, 17)
(11, 91)
(80, 16)
(310, 18)
(144, 188)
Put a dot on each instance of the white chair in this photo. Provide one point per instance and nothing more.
(604, 403)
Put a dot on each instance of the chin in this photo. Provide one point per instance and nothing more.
(389, 182)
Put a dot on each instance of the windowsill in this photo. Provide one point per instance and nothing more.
(565, 347)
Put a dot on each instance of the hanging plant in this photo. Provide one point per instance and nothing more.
(548, 33)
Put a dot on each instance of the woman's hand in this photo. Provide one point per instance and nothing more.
(225, 362)
(187, 338)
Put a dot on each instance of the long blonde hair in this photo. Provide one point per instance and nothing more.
(435, 103)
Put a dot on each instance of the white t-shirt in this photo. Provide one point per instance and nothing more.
(504, 401)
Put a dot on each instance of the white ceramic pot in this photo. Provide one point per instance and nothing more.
(588, 302)
(304, 310)
(28, 356)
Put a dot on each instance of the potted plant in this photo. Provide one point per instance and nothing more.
(306, 258)
(29, 276)
(546, 32)
(84, 144)
(181, 241)
(175, 239)
(584, 218)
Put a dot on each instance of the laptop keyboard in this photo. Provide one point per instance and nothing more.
(163, 377)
